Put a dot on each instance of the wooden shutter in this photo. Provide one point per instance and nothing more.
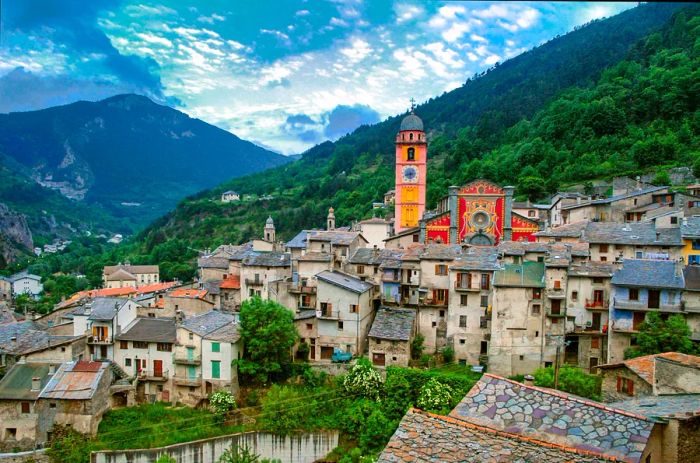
(630, 387)
(619, 384)
(459, 279)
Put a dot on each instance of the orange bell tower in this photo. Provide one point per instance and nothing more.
(411, 170)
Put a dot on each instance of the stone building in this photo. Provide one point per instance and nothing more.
(187, 301)
(5, 289)
(260, 269)
(639, 287)
(102, 319)
(391, 335)
(640, 240)
(690, 300)
(651, 375)
(612, 209)
(19, 391)
(119, 276)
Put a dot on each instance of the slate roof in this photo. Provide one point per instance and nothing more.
(592, 269)
(612, 199)
(394, 324)
(631, 233)
(120, 275)
(477, 258)
(345, 281)
(150, 329)
(21, 275)
(29, 338)
(17, 382)
(690, 227)
(691, 276)
(213, 262)
(227, 333)
(676, 406)
(427, 438)
(299, 241)
(315, 257)
(305, 314)
(440, 251)
(571, 230)
(649, 273)
(368, 256)
(75, 381)
(526, 275)
(105, 308)
(520, 248)
(555, 417)
(212, 286)
(645, 366)
(411, 122)
(109, 269)
(6, 315)
(268, 259)
(209, 322)
(335, 237)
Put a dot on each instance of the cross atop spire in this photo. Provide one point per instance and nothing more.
(413, 104)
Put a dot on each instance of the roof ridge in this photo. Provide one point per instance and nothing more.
(520, 437)
(567, 396)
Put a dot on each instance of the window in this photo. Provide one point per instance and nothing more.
(127, 362)
(484, 347)
(354, 308)
(536, 309)
(216, 347)
(309, 326)
(463, 299)
(603, 248)
(416, 238)
(462, 321)
(360, 269)
(462, 341)
(52, 405)
(191, 336)
(340, 326)
(485, 281)
(441, 269)
(216, 369)
(633, 294)
(11, 433)
(536, 293)
(123, 344)
(537, 334)
(625, 385)
(440, 296)
(164, 347)
(603, 259)
(484, 301)
(25, 407)
(674, 220)
(411, 152)
(140, 345)
(639, 255)
(442, 314)
(574, 295)
(521, 357)
(547, 364)
(530, 213)
(595, 343)
(597, 281)
(557, 284)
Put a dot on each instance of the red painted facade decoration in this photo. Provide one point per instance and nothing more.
(481, 215)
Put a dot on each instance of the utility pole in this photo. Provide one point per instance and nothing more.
(556, 366)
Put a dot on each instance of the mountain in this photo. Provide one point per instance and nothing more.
(125, 156)
(463, 125)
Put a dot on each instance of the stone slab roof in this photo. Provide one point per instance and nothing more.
(649, 273)
(645, 366)
(370, 256)
(315, 257)
(631, 233)
(520, 248)
(571, 230)
(592, 269)
(690, 227)
(345, 281)
(28, 337)
(305, 314)
(268, 259)
(17, 382)
(427, 438)
(526, 275)
(299, 241)
(75, 381)
(336, 237)
(440, 252)
(394, 324)
(233, 252)
(613, 199)
(150, 330)
(555, 417)
(676, 406)
(208, 322)
(110, 269)
(104, 308)
(213, 262)
(477, 258)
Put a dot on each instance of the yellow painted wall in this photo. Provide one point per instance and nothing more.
(688, 250)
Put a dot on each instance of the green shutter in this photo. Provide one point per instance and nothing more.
(215, 347)
(215, 369)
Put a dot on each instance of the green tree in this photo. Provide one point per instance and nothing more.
(657, 335)
(417, 346)
(68, 446)
(571, 379)
(268, 334)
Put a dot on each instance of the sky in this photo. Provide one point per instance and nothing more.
(285, 74)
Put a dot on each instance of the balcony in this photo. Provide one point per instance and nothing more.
(182, 359)
(625, 304)
(298, 289)
(150, 375)
(191, 381)
(592, 304)
(329, 314)
(462, 286)
(99, 340)
(434, 302)
(560, 313)
(693, 307)
(391, 278)
(555, 293)
(253, 282)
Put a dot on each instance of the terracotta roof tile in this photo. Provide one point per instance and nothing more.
(231, 282)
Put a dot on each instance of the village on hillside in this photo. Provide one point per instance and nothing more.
(500, 287)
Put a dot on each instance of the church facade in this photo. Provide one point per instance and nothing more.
(479, 213)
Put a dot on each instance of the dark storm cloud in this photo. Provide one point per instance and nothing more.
(344, 119)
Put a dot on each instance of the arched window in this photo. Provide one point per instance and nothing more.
(411, 154)
(410, 136)
(403, 136)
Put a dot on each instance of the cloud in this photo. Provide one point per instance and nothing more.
(211, 19)
(344, 119)
(405, 12)
(154, 39)
(358, 50)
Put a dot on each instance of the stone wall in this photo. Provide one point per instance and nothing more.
(609, 384)
(688, 440)
(32, 456)
(303, 448)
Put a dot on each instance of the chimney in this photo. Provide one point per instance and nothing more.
(578, 200)
(36, 383)
(529, 380)
(52, 369)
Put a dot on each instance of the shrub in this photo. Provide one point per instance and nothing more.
(314, 379)
(68, 446)
(448, 354)
(435, 397)
(376, 432)
(571, 379)
(236, 454)
(303, 351)
(284, 410)
(165, 458)
(417, 346)
(222, 402)
(364, 380)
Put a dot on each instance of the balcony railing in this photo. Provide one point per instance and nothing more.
(253, 282)
(391, 278)
(560, 313)
(463, 286)
(329, 314)
(184, 360)
(99, 340)
(299, 289)
(151, 375)
(435, 302)
(555, 293)
(592, 304)
(626, 304)
(186, 380)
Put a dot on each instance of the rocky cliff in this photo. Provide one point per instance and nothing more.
(15, 236)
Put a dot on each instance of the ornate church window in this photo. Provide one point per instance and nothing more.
(411, 153)
(410, 136)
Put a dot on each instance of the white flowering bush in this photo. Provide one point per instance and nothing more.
(364, 380)
(435, 396)
(222, 401)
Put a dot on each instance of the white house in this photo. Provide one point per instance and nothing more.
(102, 319)
(228, 196)
(26, 283)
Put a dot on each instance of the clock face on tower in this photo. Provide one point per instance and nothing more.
(410, 174)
